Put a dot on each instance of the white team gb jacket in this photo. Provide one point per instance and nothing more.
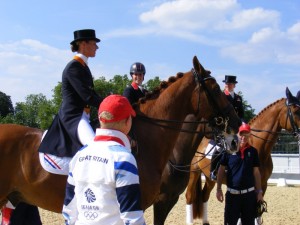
(103, 183)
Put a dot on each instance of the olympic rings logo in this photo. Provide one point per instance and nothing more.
(90, 215)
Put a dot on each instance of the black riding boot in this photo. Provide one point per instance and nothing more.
(25, 214)
(214, 164)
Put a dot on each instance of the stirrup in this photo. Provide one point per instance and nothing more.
(213, 177)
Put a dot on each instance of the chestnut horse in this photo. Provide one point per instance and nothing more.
(157, 125)
(265, 129)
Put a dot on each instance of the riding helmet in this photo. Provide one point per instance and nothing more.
(137, 67)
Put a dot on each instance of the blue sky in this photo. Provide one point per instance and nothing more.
(256, 40)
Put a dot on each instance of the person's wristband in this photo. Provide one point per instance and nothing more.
(259, 191)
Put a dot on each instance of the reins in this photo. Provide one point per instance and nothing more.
(178, 168)
(159, 122)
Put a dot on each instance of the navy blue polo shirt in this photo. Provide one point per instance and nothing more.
(240, 171)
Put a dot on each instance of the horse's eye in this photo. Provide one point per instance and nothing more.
(217, 90)
(297, 110)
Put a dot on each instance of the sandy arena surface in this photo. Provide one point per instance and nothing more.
(283, 208)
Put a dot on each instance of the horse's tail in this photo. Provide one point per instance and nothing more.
(197, 200)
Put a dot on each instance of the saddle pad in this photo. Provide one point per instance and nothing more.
(211, 147)
(54, 164)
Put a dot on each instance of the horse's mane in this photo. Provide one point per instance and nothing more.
(263, 110)
(156, 91)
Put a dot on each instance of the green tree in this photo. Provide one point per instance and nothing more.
(119, 83)
(102, 87)
(248, 110)
(37, 112)
(152, 83)
(9, 118)
(6, 106)
(57, 97)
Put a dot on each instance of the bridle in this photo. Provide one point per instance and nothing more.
(289, 118)
(219, 120)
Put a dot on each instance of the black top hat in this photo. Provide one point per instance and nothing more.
(230, 79)
(87, 34)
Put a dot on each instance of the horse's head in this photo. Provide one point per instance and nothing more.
(292, 122)
(208, 95)
(229, 142)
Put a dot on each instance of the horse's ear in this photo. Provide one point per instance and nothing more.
(292, 100)
(298, 95)
(198, 67)
(288, 93)
(196, 64)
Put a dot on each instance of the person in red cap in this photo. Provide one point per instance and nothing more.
(103, 183)
(243, 181)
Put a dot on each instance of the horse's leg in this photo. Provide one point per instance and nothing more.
(265, 172)
(162, 208)
(190, 195)
(208, 187)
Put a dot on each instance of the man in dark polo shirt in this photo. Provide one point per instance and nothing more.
(243, 181)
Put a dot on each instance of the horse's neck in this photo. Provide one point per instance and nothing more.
(268, 125)
(187, 142)
(173, 104)
(156, 141)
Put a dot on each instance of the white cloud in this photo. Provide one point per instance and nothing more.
(267, 45)
(196, 15)
(188, 14)
(219, 23)
(294, 32)
(30, 67)
(250, 18)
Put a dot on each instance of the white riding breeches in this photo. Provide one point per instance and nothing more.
(85, 131)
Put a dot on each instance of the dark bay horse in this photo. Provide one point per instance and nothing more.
(175, 176)
(265, 129)
(157, 125)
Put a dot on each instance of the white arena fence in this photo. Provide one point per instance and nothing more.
(286, 161)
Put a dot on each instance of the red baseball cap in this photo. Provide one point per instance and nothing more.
(244, 128)
(118, 106)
